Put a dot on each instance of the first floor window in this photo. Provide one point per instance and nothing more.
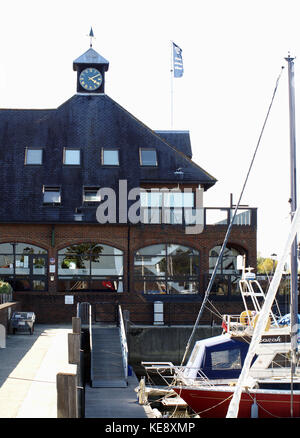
(226, 283)
(24, 266)
(90, 266)
(167, 269)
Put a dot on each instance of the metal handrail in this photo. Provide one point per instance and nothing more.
(123, 343)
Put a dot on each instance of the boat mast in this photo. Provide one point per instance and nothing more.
(293, 202)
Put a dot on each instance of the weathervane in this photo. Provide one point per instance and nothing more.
(91, 35)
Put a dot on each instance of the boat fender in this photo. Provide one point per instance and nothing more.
(254, 409)
(267, 325)
(245, 317)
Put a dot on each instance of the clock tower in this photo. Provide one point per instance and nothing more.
(91, 68)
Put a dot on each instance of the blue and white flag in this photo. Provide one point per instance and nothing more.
(177, 61)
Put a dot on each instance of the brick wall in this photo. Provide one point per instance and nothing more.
(50, 306)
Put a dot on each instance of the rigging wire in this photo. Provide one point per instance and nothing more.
(231, 222)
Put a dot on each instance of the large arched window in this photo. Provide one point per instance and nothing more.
(228, 274)
(167, 269)
(90, 267)
(24, 266)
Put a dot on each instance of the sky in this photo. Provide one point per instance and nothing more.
(233, 52)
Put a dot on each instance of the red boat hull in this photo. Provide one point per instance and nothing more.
(214, 403)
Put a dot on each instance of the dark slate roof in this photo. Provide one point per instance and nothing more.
(179, 139)
(88, 122)
(90, 57)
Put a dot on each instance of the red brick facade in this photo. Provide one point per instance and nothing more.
(50, 306)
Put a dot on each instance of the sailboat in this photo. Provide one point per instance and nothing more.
(269, 383)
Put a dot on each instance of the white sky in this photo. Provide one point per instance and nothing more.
(233, 51)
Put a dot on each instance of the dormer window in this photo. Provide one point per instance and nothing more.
(72, 157)
(91, 196)
(52, 195)
(33, 156)
(148, 157)
(110, 157)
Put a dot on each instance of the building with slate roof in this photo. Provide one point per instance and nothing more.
(83, 217)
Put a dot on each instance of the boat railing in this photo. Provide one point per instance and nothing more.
(182, 374)
(124, 344)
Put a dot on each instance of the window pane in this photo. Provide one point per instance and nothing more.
(22, 264)
(6, 264)
(107, 265)
(105, 285)
(91, 195)
(6, 248)
(174, 249)
(110, 157)
(74, 265)
(51, 196)
(156, 286)
(34, 156)
(150, 265)
(227, 359)
(153, 250)
(26, 248)
(72, 285)
(39, 266)
(148, 157)
(39, 285)
(72, 156)
(182, 287)
(22, 284)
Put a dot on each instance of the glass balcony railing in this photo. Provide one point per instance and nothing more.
(207, 216)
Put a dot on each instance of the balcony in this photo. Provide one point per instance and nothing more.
(207, 216)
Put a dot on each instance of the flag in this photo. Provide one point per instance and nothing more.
(177, 61)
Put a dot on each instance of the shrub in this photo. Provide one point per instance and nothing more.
(5, 288)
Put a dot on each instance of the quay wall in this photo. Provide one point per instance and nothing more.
(160, 343)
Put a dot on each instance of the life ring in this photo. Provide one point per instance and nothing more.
(255, 319)
(245, 317)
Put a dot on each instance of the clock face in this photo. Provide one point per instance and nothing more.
(90, 79)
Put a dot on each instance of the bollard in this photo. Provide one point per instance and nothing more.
(74, 348)
(66, 385)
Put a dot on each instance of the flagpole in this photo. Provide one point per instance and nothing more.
(172, 87)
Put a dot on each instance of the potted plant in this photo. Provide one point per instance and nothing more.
(5, 292)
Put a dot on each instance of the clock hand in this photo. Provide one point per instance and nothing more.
(93, 77)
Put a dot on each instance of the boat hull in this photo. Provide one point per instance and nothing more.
(214, 403)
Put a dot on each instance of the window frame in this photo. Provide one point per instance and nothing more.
(72, 164)
(89, 276)
(103, 150)
(47, 188)
(33, 149)
(34, 259)
(91, 189)
(141, 149)
(166, 279)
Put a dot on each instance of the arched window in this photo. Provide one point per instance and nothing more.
(228, 274)
(90, 267)
(24, 266)
(228, 263)
(167, 269)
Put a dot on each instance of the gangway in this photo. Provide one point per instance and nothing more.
(109, 352)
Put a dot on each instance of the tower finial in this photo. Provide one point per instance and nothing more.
(91, 35)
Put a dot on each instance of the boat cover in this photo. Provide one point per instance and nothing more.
(219, 357)
(286, 320)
